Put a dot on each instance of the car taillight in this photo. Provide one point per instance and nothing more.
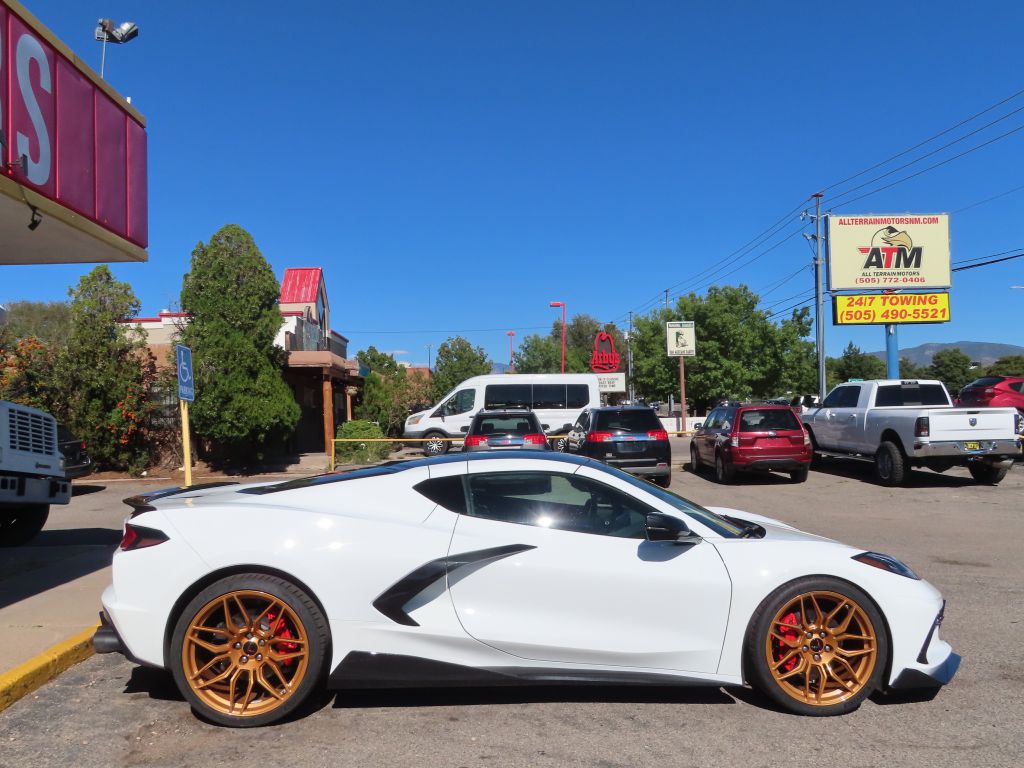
(476, 440)
(734, 441)
(83, 445)
(1018, 423)
(140, 537)
(807, 438)
(599, 437)
(658, 434)
(535, 439)
(922, 427)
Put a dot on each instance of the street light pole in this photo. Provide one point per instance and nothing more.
(510, 335)
(562, 305)
(428, 358)
(106, 32)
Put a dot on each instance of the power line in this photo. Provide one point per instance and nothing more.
(989, 199)
(907, 151)
(929, 168)
(772, 287)
(986, 263)
(461, 330)
(809, 298)
(935, 151)
(989, 256)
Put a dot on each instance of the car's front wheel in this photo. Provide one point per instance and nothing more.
(817, 646)
(694, 459)
(248, 650)
(19, 523)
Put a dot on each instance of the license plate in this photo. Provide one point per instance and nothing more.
(631, 447)
(972, 446)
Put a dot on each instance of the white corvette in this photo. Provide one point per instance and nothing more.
(486, 569)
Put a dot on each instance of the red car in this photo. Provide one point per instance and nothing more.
(751, 437)
(994, 391)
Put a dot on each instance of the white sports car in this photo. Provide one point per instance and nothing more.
(487, 569)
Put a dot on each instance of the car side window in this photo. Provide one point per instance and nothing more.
(446, 491)
(582, 422)
(461, 402)
(558, 501)
(711, 422)
(841, 397)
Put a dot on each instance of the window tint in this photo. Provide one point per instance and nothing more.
(577, 396)
(986, 381)
(446, 491)
(498, 396)
(766, 419)
(629, 421)
(512, 424)
(563, 502)
(890, 395)
(549, 396)
(712, 420)
(1017, 386)
(843, 397)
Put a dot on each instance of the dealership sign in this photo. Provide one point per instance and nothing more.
(886, 308)
(680, 338)
(604, 358)
(70, 139)
(879, 252)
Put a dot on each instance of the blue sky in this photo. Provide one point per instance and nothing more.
(455, 166)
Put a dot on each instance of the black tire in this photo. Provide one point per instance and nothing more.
(800, 475)
(724, 473)
(663, 480)
(267, 588)
(890, 466)
(695, 465)
(558, 444)
(986, 474)
(870, 665)
(816, 458)
(20, 523)
(438, 446)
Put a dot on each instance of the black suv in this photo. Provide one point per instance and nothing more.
(511, 429)
(76, 459)
(630, 438)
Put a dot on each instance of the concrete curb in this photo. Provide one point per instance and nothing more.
(37, 671)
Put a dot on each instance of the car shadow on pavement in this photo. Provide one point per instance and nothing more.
(53, 558)
(528, 694)
(742, 478)
(916, 478)
(85, 490)
(158, 684)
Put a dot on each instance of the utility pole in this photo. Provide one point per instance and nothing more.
(666, 298)
(819, 298)
(629, 360)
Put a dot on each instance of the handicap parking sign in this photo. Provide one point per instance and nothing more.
(186, 383)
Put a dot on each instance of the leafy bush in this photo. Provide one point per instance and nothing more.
(360, 453)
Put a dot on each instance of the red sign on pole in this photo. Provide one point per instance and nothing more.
(604, 358)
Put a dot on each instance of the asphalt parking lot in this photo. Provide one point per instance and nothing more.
(964, 538)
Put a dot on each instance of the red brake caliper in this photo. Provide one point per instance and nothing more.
(281, 631)
(790, 634)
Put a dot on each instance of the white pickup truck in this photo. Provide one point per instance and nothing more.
(903, 424)
(31, 472)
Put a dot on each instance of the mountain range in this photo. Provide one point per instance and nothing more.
(983, 352)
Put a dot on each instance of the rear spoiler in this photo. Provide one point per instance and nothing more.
(143, 501)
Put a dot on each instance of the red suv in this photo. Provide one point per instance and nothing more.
(751, 437)
(993, 392)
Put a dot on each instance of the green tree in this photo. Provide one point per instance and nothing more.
(740, 352)
(27, 372)
(243, 405)
(853, 364)
(390, 391)
(48, 321)
(1011, 365)
(538, 354)
(953, 368)
(458, 360)
(911, 370)
(104, 373)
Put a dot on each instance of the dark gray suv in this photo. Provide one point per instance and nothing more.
(510, 429)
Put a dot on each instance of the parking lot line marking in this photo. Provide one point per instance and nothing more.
(39, 670)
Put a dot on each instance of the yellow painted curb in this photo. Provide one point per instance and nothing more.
(37, 671)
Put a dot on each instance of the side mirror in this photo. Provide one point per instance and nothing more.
(545, 426)
(464, 429)
(698, 425)
(667, 528)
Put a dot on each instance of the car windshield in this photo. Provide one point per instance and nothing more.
(714, 521)
(507, 424)
(627, 421)
(764, 419)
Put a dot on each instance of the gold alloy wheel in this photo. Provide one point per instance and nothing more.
(821, 648)
(245, 653)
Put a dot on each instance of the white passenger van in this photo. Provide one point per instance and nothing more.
(556, 398)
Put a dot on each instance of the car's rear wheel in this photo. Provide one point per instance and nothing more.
(800, 475)
(20, 523)
(817, 646)
(248, 650)
(890, 466)
(986, 473)
(694, 459)
(663, 480)
(436, 445)
(724, 472)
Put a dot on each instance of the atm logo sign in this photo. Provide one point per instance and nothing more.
(892, 249)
